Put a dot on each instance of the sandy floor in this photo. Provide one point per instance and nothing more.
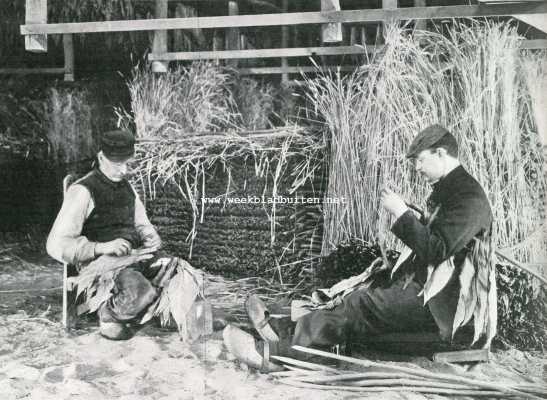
(39, 360)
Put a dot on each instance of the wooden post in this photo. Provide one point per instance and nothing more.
(36, 13)
(232, 37)
(331, 33)
(68, 50)
(363, 35)
(353, 36)
(218, 42)
(181, 39)
(421, 24)
(159, 44)
(284, 43)
(389, 4)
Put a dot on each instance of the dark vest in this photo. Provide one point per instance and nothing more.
(113, 216)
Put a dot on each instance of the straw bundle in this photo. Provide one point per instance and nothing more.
(372, 116)
(474, 81)
(181, 102)
(188, 122)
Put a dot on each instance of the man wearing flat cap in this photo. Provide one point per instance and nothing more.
(423, 293)
(102, 215)
(458, 212)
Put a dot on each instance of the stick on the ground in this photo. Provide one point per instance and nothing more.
(455, 392)
(418, 372)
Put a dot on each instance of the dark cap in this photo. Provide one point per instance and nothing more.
(427, 139)
(118, 145)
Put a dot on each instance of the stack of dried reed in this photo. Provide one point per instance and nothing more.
(187, 121)
(473, 81)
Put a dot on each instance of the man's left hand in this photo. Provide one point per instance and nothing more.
(152, 241)
(393, 203)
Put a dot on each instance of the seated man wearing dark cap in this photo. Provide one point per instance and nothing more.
(102, 214)
(462, 213)
(458, 212)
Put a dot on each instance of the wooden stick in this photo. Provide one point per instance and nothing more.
(415, 372)
(68, 52)
(384, 379)
(32, 71)
(517, 264)
(264, 53)
(295, 70)
(457, 392)
(159, 43)
(30, 290)
(284, 43)
(305, 364)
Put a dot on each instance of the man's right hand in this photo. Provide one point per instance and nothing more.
(116, 247)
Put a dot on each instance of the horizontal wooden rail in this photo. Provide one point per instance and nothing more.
(31, 71)
(262, 53)
(533, 44)
(294, 70)
(346, 16)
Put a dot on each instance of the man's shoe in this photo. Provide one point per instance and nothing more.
(254, 353)
(114, 330)
(109, 327)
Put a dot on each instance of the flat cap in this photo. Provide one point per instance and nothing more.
(426, 139)
(118, 145)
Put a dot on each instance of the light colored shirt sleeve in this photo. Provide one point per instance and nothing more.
(65, 242)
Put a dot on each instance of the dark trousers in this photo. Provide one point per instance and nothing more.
(131, 296)
(366, 312)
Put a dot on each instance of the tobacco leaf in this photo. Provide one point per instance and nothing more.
(467, 299)
(437, 278)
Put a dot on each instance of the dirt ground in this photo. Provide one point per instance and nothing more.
(39, 360)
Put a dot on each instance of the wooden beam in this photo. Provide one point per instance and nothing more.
(263, 53)
(421, 25)
(345, 16)
(386, 5)
(232, 34)
(462, 356)
(32, 71)
(537, 21)
(332, 32)
(294, 70)
(284, 43)
(36, 13)
(159, 45)
(68, 51)
(535, 44)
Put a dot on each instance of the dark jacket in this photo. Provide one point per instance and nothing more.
(464, 212)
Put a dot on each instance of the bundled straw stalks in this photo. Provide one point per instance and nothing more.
(474, 81)
(188, 122)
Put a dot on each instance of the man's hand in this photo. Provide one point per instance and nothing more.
(152, 240)
(117, 247)
(393, 203)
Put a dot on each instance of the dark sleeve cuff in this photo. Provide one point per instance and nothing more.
(404, 224)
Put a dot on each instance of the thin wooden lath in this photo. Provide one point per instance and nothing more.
(263, 53)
